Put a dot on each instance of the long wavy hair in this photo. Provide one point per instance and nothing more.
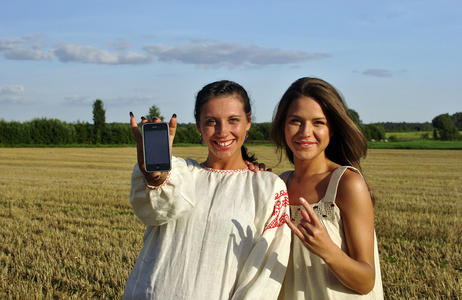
(225, 88)
(347, 145)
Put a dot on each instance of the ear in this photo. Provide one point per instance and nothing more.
(249, 121)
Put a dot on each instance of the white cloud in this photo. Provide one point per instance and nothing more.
(12, 89)
(10, 94)
(233, 54)
(22, 49)
(129, 100)
(378, 72)
(13, 100)
(90, 54)
(31, 53)
(10, 44)
(201, 53)
(119, 44)
(78, 100)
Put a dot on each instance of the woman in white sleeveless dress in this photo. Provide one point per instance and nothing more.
(334, 251)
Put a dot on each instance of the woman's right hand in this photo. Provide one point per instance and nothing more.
(154, 178)
(256, 166)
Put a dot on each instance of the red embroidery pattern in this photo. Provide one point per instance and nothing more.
(280, 210)
(223, 171)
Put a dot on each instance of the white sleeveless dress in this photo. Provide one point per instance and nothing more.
(307, 276)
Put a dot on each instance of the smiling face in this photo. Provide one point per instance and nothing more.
(223, 124)
(307, 131)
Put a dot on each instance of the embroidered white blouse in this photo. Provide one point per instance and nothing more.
(211, 234)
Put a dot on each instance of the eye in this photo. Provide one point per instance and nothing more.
(234, 120)
(294, 121)
(320, 122)
(210, 122)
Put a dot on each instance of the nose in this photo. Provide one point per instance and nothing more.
(306, 130)
(221, 130)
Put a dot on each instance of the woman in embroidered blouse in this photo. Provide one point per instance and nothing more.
(334, 251)
(213, 228)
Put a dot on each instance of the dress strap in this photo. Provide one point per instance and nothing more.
(331, 192)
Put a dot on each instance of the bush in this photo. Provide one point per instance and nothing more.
(446, 129)
(374, 132)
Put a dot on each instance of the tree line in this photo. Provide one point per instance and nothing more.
(45, 131)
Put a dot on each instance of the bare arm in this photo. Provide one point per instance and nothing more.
(356, 270)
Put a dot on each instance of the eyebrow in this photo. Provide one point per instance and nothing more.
(233, 116)
(297, 116)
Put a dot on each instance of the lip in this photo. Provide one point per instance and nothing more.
(305, 144)
(224, 144)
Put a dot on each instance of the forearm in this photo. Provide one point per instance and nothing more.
(356, 275)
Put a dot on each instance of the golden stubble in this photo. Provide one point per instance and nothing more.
(67, 229)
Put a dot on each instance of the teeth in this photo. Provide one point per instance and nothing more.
(225, 143)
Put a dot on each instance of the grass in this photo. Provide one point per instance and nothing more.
(67, 229)
(417, 144)
(408, 135)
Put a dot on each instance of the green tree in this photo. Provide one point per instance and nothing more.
(445, 128)
(457, 118)
(83, 132)
(186, 133)
(374, 132)
(154, 111)
(14, 133)
(99, 120)
(355, 117)
(255, 134)
(50, 132)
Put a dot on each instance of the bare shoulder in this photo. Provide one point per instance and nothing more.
(353, 191)
(352, 180)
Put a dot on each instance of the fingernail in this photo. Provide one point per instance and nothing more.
(155, 118)
(174, 116)
(143, 118)
(131, 114)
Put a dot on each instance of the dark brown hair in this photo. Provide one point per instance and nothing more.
(347, 144)
(225, 88)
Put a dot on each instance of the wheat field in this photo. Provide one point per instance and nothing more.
(67, 229)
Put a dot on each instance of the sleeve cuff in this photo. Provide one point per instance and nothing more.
(156, 187)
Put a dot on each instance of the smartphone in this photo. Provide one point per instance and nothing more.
(156, 145)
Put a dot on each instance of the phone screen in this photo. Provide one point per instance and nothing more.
(156, 147)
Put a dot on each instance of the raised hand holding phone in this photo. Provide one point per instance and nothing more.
(152, 178)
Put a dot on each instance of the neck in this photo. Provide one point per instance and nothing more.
(228, 164)
(307, 168)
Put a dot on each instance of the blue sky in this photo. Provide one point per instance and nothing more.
(394, 61)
